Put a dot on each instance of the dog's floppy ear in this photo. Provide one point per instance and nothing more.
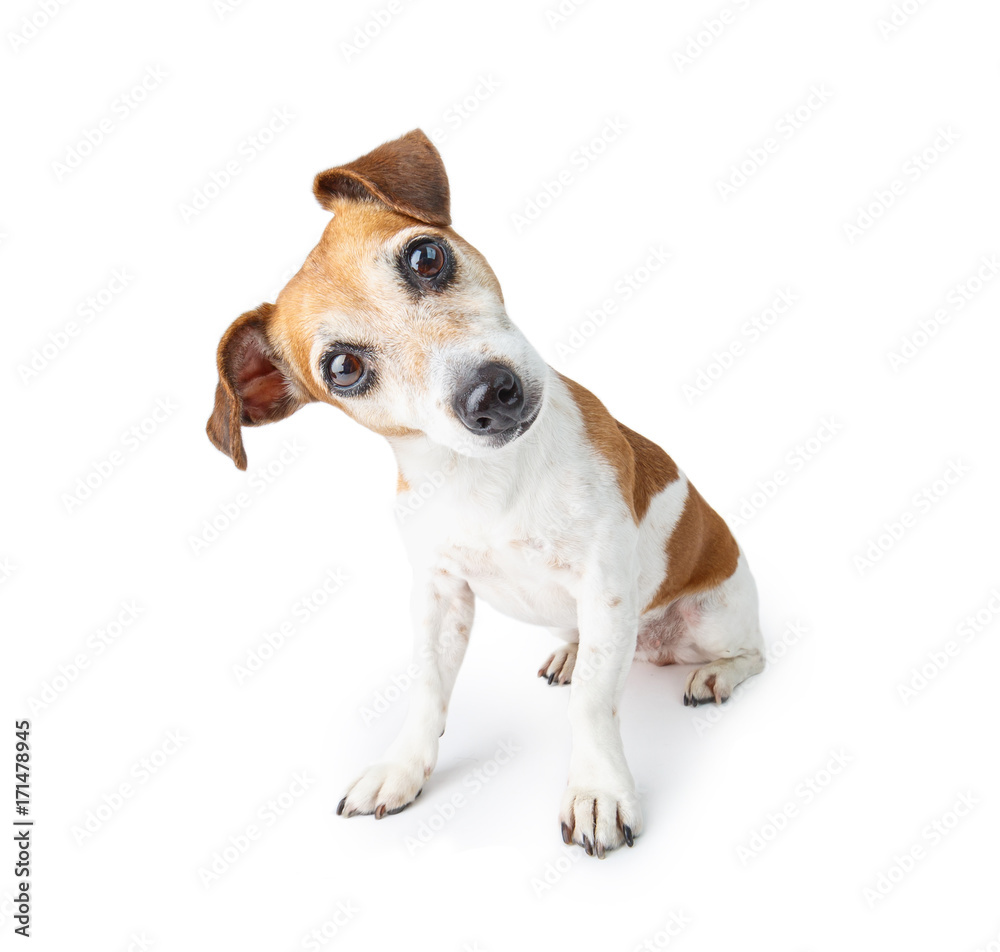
(406, 174)
(253, 386)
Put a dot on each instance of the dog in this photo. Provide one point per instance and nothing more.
(542, 504)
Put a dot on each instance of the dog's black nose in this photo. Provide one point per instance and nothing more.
(490, 399)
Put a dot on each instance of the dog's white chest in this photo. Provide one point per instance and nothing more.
(523, 577)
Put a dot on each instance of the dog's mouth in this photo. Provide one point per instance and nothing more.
(519, 429)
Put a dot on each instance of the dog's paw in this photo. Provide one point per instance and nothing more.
(599, 820)
(558, 668)
(384, 789)
(709, 685)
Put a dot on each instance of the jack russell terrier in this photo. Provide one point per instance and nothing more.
(545, 505)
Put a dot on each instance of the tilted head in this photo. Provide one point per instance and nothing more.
(393, 318)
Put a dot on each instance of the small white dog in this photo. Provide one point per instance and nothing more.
(545, 506)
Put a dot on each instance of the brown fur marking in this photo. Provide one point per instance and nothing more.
(254, 385)
(701, 552)
(406, 174)
(643, 469)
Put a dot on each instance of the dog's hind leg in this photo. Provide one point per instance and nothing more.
(722, 628)
(558, 667)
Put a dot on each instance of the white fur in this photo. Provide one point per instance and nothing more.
(540, 530)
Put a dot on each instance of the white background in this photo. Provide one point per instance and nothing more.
(536, 89)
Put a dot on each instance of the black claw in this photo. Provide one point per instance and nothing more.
(340, 807)
(552, 677)
(588, 846)
(567, 835)
(629, 839)
(600, 850)
(687, 700)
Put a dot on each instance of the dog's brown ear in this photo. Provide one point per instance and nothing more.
(253, 388)
(406, 174)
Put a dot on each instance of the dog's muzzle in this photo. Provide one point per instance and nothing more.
(490, 401)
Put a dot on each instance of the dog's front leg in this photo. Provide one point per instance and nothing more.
(600, 809)
(442, 613)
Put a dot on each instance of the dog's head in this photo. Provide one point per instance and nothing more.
(393, 318)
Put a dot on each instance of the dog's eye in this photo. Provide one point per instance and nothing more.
(426, 258)
(345, 370)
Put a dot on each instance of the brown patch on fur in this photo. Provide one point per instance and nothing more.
(654, 470)
(701, 552)
(643, 469)
(402, 486)
(406, 174)
(348, 284)
(254, 387)
(348, 290)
